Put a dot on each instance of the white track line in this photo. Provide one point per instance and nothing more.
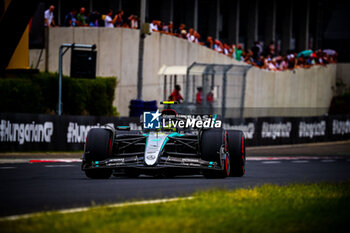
(7, 161)
(328, 161)
(75, 210)
(54, 160)
(300, 161)
(7, 167)
(270, 162)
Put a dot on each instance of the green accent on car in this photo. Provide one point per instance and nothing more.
(146, 143)
(146, 135)
(123, 126)
(176, 134)
(96, 165)
(96, 162)
(215, 116)
(156, 140)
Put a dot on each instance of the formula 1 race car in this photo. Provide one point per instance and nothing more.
(164, 152)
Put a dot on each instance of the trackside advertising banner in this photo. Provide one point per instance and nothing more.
(35, 132)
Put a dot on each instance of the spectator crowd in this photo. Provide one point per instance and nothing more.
(264, 58)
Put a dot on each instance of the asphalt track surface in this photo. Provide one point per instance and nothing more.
(34, 187)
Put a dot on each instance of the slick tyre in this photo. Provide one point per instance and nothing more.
(98, 147)
(211, 142)
(236, 149)
(98, 144)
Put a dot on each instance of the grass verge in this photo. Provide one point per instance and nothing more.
(323, 207)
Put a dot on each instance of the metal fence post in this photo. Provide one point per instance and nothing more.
(60, 81)
(60, 64)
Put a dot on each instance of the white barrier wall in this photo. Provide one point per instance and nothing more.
(300, 92)
(343, 73)
(117, 55)
(37, 59)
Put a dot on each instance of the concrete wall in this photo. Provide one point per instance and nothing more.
(343, 73)
(300, 92)
(161, 50)
(37, 59)
(117, 55)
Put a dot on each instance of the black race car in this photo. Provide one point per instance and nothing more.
(166, 152)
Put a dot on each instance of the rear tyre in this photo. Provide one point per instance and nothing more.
(236, 149)
(98, 147)
(211, 142)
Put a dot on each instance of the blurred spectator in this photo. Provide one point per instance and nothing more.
(169, 28)
(291, 61)
(284, 64)
(153, 27)
(256, 50)
(271, 65)
(69, 19)
(94, 19)
(183, 34)
(134, 22)
(269, 61)
(218, 47)
(271, 49)
(175, 95)
(199, 95)
(239, 53)
(49, 17)
(226, 49)
(190, 35)
(233, 51)
(197, 37)
(165, 28)
(120, 20)
(180, 29)
(109, 22)
(210, 97)
(81, 21)
(210, 42)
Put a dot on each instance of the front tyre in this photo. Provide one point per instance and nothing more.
(211, 143)
(98, 147)
(236, 149)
